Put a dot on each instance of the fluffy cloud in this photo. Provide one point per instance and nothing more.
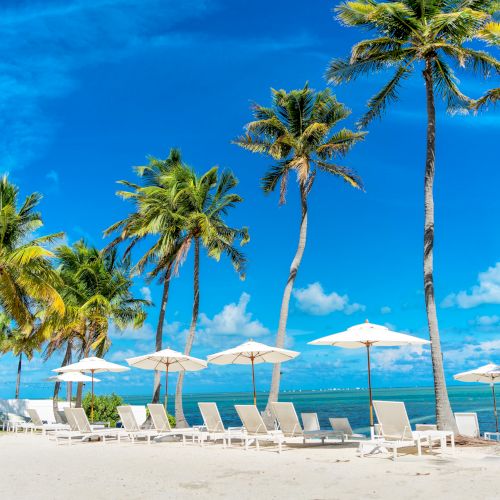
(486, 292)
(313, 300)
(400, 359)
(385, 310)
(487, 320)
(471, 355)
(233, 320)
(146, 293)
(145, 332)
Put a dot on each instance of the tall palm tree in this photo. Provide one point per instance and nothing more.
(430, 35)
(202, 203)
(156, 222)
(20, 344)
(26, 275)
(297, 131)
(97, 291)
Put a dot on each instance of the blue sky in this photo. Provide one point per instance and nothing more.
(89, 89)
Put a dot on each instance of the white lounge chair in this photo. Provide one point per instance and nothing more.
(214, 427)
(344, 426)
(162, 425)
(468, 424)
(39, 425)
(289, 424)
(256, 429)
(11, 422)
(132, 428)
(81, 430)
(396, 432)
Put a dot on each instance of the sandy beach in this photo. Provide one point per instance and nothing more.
(34, 467)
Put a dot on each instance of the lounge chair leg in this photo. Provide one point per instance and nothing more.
(419, 448)
(395, 453)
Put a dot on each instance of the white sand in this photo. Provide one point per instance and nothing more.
(32, 467)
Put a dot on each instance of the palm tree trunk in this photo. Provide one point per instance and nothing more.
(159, 331)
(280, 337)
(57, 385)
(79, 388)
(444, 414)
(179, 412)
(19, 368)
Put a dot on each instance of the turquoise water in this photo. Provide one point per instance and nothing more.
(351, 403)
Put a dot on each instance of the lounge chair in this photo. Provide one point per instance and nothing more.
(162, 425)
(11, 422)
(132, 428)
(81, 429)
(467, 424)
(214, 427)
(256, 429)
(39, 425)
(396, 432)
(343, 425)
(290, 425)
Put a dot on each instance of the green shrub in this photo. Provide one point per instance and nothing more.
(104, 407)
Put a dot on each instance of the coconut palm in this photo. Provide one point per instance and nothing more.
(20, 344)
(297, 131)
(490, 97)
(97, 292)
(155, 222)
(202, 203)
(26, 275)
(429, 35)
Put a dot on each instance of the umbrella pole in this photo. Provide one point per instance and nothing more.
(92, 402)
(166, 388)
(372, 431)
(494, 405)
(253, 382)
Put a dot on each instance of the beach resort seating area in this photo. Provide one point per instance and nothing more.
(393, 432)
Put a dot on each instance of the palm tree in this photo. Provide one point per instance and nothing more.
(153, 221)
(26, 275)
(202, 203)
(429, 34)
(19, 344)
(297, 131)
(97, 291)
(490, 97)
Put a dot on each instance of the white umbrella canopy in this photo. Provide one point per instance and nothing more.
(72, 377)
(167, 360)
(487, 374)
(368, 335)
(92, 365)
(252, 353)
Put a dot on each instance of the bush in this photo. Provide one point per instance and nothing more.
(104, 407)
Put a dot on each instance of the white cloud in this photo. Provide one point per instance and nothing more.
(471, 355)
(486, 292)
(401, 359)
(122, 355)
(385, 310)
(146, 293)
(487, 320)
(53, 176)
(313, 300)
(233, 320)
(145, 332)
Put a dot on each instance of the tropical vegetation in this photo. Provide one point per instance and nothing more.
(431, 36)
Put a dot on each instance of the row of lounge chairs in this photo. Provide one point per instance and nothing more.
(393, 431)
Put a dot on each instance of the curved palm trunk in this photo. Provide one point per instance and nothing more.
(444, 414)
(19, 368)
(281, 335)
(79, 388)
(179, 411)
(57, 385)
(159, 331)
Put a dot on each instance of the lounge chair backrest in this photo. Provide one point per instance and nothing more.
(211, 417)
(341, 425)
(62, 416)
(81, 420)
(159, 417)
(35, 418)
(393, 420)
(287, 418)
(251, 419)
(467, 424)
(128, 418)
(68, 412)
(310, 421)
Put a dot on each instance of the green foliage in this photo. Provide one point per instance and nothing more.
(104, 407)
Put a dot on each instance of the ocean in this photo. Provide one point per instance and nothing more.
(351, 403)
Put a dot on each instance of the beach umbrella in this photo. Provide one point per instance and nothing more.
(168, 361)
(92, 365)
(367, 335)
(70, 377)
(252, 353)
(487, 374)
